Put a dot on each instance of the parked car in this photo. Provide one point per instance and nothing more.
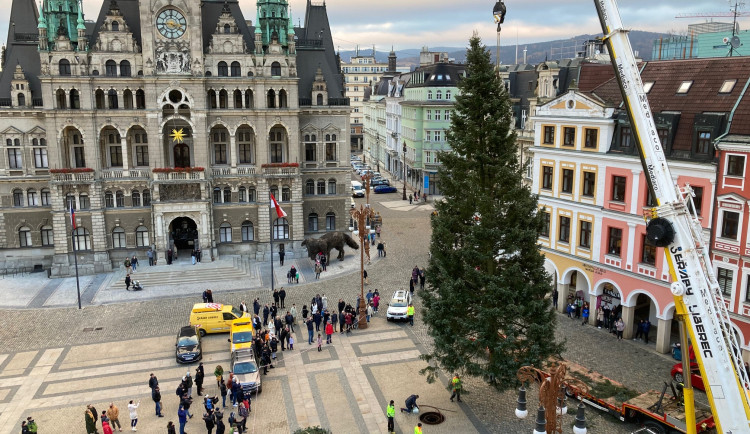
(695, 375)
(188, 346)
(245, 369)
(397, 306)
(385, 189)
(357, 189)
(377, 182)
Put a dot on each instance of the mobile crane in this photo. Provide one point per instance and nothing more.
(672, 226)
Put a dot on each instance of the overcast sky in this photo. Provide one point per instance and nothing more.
(414, 23)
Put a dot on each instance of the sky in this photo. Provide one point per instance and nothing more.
(450, 23)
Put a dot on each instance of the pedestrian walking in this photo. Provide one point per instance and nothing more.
(90, 421)
(113, 414)
(127, 282)
(421, 278)
(410, 314)
(133, 409)
(390, 413)
(150, 256)
(281, 257)
(106, 428)
(153, 382)
(282, 296)
(171, 428)
(156, 396)
(309, 331)
(182, 417)
(456, 386)
(199, 375)
(329, 333)
(320, 342)
(619, 326)
(134, 263)
(128, 266)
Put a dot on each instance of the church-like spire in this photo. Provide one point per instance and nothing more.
(273, 19)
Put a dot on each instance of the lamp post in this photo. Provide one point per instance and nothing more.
(366, 179)
(403, 162)
(361, 215)
(498, 12)
(552, 406)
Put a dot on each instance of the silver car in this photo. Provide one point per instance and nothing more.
(246, 371)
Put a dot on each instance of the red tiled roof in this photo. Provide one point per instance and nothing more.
(592, 75)
(707, 76)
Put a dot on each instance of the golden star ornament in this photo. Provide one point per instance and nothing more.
(177, 135)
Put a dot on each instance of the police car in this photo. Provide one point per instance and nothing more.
(398, 305)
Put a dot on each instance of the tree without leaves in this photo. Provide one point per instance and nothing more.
(486, 303)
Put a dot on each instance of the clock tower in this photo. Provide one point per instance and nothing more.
(172, 36)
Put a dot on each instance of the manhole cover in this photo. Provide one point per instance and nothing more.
(432, 418)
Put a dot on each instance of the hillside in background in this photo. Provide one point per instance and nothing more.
(642, 43)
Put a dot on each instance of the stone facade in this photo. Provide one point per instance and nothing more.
(168, 110)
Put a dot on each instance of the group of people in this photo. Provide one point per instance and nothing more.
(109, 418)
(416, 196)
(417, 278)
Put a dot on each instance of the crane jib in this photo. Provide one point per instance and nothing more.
(695, 314)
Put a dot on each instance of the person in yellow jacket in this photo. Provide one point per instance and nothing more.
(418, 429)
(390, 413)
(456, 386)
(410, 314)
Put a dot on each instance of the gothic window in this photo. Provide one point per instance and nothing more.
(60, 95)
(112, 98)
(118, 238)
(81, 239)
(140, 99)
(310, 150)
(220, 146)
(276, 143)
(248, 233)
(125, 69)
(15, 158)
(110, 68)
(223, 69)
(64, 67)
(331, 151)
(275, 69)
(236, 69)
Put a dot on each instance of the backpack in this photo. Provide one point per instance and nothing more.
(231, 419)
(178, 392)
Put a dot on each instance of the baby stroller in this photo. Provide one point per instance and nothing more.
(676, 351)
(137, 286)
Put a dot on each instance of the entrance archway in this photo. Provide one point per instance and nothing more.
(183, 233)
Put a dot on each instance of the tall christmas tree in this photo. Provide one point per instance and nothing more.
(487, 302)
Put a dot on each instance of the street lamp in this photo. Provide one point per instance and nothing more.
(498, 12)
(552, 407)
(361, 215)
(404, 164)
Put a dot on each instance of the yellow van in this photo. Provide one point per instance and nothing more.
(241, 334)
(214, 317)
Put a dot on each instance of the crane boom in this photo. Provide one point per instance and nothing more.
(695, 289)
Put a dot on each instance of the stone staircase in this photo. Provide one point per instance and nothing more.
(184, 273)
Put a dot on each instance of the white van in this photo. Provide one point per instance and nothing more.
(357, 189)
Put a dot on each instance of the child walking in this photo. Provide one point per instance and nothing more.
(320, 342)
(291, 342)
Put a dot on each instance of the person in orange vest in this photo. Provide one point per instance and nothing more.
(456, 386)
(418, 429)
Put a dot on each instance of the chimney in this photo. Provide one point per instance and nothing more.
(525, 49)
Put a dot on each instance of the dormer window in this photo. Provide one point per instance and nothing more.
(115, 26)
(727, 86)
(684, 87)
(647, 86)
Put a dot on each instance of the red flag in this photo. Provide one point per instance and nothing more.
(72, 216)
(279, 212)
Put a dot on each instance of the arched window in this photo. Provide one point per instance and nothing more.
(61, 99)
(136, 197)
(249, 99)
(211, 96)
(281, 229)
(245, 139)
(127, 99)
(225, 233)
(115, 26)
(70, 201)
(429, 94)
(21, 100)
(217, 195)
(310, 187)
(109, 199)
(275, 69)
(208, 74)
(242, 195)
(99, 97)
(271, 99)
(112, 99)
(45, 196)
(48, 238)
(248, 232)
(236, 69)
(118, 238)
(64, 67)
(227, 195)
(141, 236)
(331, 221)
(31, 198)
(223, 69)
(282, 99)
(83, 200)
(439, 94)
(227, 29)
(331, 186)
(237, 99)
(286, 194)
(321, 186)
(312, 222)
(125, 69)
(146, 198)
(140, 99)
(24, 237)
(447, 94)
(17, 197)
(223, 99)
(319, 99)
(75, 99)
(81, 239)
(251, 196)
(110, 68)
(120, 199)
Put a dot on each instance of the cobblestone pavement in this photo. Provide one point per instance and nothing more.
(55, 360)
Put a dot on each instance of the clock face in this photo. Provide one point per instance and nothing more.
(171, 23)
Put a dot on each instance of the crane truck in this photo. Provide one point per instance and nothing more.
(673, 226)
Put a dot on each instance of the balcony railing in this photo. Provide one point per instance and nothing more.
(307, 102)
(120, 173)
(180, 176)
(73, 177)
(281, 171)
(246, 170)
(221, 171)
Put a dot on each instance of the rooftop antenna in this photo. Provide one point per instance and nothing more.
(516, 45)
